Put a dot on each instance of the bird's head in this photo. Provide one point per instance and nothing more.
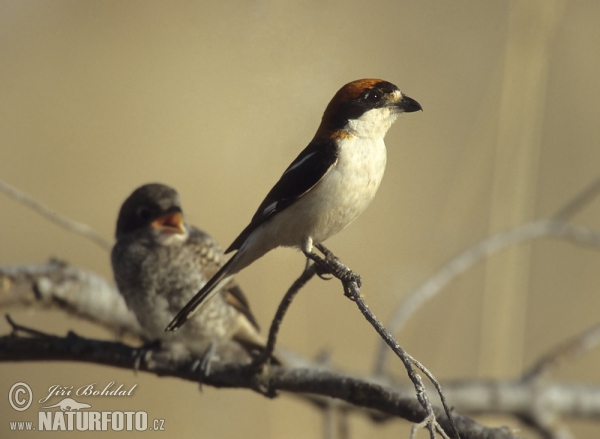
(365, 108)
(155, 208)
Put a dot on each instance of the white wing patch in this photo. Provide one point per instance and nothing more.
(270, 208)
(299, 163)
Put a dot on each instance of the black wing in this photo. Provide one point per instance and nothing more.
(301, 176)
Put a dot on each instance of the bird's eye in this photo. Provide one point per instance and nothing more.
(373, 96)
(144, 213)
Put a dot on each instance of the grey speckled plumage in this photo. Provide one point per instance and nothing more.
(160, 262)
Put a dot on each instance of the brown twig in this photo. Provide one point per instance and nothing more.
(266, 354)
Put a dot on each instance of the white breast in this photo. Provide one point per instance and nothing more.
(351, 185)
(338, 199)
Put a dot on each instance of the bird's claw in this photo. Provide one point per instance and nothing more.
(204, 364)
(141, 352)
(323, 271)
(324, 276)
(330, 264)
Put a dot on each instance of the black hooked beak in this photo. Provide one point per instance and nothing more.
(408, 105)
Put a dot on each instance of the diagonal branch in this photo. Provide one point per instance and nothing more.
(577, 345)
(466, 259)
(351, 283)
(64, 222)
(306, 275)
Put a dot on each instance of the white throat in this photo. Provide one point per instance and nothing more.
(374, 123)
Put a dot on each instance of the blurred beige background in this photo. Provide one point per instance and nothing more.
(97, 98)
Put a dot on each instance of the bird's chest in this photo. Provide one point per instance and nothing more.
(350, 186)
(360, 167)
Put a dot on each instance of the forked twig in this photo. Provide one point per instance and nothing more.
(16, 328)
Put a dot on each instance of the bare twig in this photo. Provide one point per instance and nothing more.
(343, 424)
(577, 345)
(350, 282)
(16, 328)
(579, 201)
(466, 259)
(64, 222)
(329, 422)
(556, 226)
(408, 361)
(266, 354)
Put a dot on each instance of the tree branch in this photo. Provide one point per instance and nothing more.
(61, 286)
(577, 345)
(466, 259)
(323, 382)
(351, 284)
(538, 404)
(263, 358)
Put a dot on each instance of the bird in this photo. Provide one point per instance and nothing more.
(159, 262)
(329, 184)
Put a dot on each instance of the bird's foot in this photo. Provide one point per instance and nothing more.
(333, 266)
(140, 353)
(204, 364)
(321, 272)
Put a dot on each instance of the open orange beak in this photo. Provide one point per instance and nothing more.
(170, 223)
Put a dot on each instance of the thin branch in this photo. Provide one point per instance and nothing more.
(575, 346)
(466, 259)
(266, 354)
(407, 360)
(64, 222)
(16, 328)
(353, 390)
(579, 201)
(329, 422)
(350, 282)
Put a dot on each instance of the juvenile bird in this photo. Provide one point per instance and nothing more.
(325, 188)
(159, 263)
